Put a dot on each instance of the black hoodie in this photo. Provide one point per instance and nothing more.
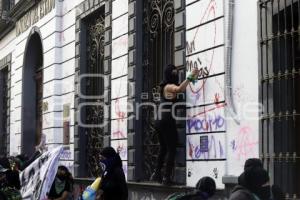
(114, 183)
(241, 193)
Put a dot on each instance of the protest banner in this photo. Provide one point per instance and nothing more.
(37, 178)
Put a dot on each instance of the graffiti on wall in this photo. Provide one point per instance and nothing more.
(206, 123)
(207, 55)
(205, 147)
(119, 83)
(245, 144)
(121, 147)
(206, 119)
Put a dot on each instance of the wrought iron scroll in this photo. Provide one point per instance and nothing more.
(94, 87)
(158, 49)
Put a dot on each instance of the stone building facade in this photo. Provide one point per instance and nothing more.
(82, 72)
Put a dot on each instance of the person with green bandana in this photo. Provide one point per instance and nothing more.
(61, 188)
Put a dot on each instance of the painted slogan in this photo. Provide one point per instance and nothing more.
(206, 124)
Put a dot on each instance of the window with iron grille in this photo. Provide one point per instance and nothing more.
(4, 110)
(92, 87)
(279, 92)
(158, 52)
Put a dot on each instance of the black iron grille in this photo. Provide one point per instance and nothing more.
(279, 92)
(158, 51)
(4, 103)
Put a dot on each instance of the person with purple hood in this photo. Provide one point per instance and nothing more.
(113, 184)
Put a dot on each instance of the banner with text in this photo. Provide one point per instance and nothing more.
(37, 178)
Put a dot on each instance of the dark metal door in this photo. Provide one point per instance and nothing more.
(158, 52)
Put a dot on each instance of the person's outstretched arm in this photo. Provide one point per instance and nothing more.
(171, 88)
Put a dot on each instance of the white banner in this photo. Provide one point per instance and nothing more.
(37, 178)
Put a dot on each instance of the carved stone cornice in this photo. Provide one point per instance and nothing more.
(22, 7)
(17, 11)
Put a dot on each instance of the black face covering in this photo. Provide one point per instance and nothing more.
(170, 77)
(264, 193)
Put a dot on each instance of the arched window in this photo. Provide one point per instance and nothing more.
(32, 94)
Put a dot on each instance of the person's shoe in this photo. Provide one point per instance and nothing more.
(156, 177)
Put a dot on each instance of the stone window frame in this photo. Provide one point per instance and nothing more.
(5, 63)
(83, 10)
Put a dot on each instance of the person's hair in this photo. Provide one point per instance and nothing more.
(68, 173)
(63, 168)
(207, 185)
(253, 162)
(168, 77)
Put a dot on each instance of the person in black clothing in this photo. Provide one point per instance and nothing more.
(165, 124)
(12, 173)
(205, 188)
(255, 186)
(62, 186)
(113, 184)
(7, 190)
(276, 192)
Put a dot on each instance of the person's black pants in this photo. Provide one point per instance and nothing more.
(168, 136)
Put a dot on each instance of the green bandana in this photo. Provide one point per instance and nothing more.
(59, 185)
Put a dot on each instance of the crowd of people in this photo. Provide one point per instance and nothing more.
(253, 183)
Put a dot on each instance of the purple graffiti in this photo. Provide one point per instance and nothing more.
(208, 148)
(206, 124)
(233, 145)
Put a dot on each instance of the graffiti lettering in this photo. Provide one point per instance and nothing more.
(191, 64)
(209, 123)
(190, 47)
(65, 155)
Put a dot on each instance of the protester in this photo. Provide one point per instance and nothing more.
(61, 188)
(250, 163)
(21, 162)
(205, 188)
(255, 185)
(12, 173)
(7, 192)
(165, 124)
(276, 191)
(113, 184)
